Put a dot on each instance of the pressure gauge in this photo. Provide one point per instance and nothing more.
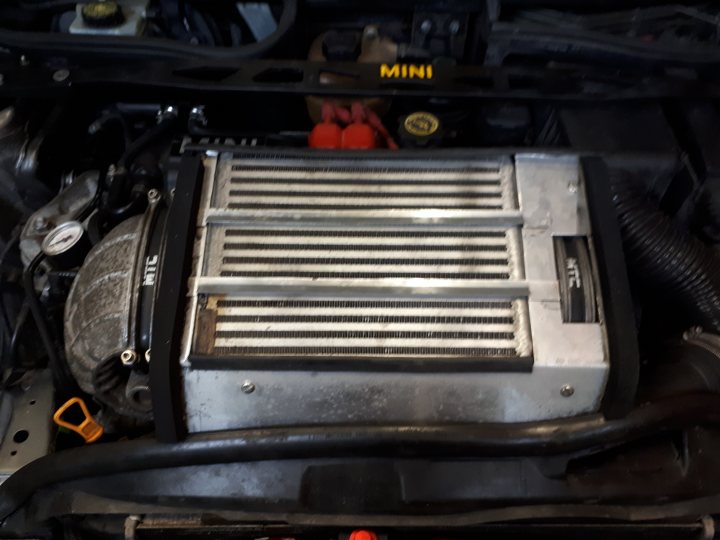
(66, 245)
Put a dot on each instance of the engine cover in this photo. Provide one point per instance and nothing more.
(366, 288)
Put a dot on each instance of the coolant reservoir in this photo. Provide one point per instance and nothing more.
(126, 18)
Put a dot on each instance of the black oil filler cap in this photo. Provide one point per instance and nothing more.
(420, 130)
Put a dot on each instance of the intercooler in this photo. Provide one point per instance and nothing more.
(365, 289)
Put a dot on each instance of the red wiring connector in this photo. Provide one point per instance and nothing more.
(358, 135)
(364, 130)
(328, 134)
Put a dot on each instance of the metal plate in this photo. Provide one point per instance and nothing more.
(29, 433)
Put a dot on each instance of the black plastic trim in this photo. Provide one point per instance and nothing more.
(430, 364)
(165, 376)
(617, 306)
(549, 438)
(148, 287)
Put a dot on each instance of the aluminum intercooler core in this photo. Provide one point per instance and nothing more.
(364, 289)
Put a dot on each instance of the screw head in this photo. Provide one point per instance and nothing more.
(567, 391)
(153, 195)
(454, 27)
(61, 75)
(147, 356)
(128, 357)
(167, 112)
(426, 26)
(248, 387)
(41, 224)
(371, 32)
(692, 333)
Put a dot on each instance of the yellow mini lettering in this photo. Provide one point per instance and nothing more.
(388, 72)
(406, 71)
(416, 72)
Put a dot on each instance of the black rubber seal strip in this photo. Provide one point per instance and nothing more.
(621, 387)
(547, 438)
(430, 364)
(148, 286)
(168, 319)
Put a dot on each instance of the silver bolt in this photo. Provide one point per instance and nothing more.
(128, 357)
(567, 391)
(248, 387)
(572, 187)
(153, 195)
(24, 60)
(61, 75)
(426, 26)
(371, 32)
(197, 114)
(147, 356)
(41, 224)
(692, 333)
(454, 27)
(166, 113)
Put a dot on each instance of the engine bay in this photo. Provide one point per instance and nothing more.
(402, 263)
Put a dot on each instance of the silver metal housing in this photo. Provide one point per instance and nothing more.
(386, 290)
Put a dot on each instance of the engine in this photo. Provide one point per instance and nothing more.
(278, 269)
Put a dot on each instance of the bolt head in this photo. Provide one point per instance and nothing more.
(41, 224)
(167, 112)
(248, 387)
(153, 195)
(567, 391)
(370, 32)
(426, 26)
(128, 357)
(61, 75)
(454, 27)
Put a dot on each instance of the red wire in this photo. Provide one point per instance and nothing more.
(374, 120)
(358, 113)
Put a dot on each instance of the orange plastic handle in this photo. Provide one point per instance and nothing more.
(88, 429)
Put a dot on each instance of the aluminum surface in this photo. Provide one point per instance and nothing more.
(369, 235)
(28, 434)
(415, 260)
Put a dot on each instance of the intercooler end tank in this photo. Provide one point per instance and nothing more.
(106, 316)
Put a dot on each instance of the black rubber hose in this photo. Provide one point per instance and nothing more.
(150, 137)
(58, 367)
(134, 48)
(507, 39)
(472, 440)
(15, 339)
(668, 259)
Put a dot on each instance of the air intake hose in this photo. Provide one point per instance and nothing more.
(667, 258)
